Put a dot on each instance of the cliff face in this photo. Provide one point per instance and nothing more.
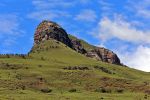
(98, 53)
(47, 30)
(77, 46)
(104, 55)
(50, 30)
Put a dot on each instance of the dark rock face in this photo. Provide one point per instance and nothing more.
(78, 47)
(98, 53)
(104, 55)
(50, 30)
(47, 30)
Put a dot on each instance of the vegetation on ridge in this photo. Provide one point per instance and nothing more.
(53, 71)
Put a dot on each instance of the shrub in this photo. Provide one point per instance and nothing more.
(103, 90)
(145, 96)
(46, 90)
(98, 90)
(23, 87)
(23, 56)
(42, 58)
(72, 90)
(18, 76)
(39, 65)
(103, 69)
(7, 65)
(7, 55)
(106, 90)
(120, 90)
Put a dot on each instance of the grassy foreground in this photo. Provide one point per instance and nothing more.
(53, 71)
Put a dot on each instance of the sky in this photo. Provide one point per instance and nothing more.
(122, 26)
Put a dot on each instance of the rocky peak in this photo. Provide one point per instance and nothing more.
(47, 30)
(50, 30)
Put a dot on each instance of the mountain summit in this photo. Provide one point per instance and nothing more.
(47, 30)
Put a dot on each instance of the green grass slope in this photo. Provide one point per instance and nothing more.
(53, 71)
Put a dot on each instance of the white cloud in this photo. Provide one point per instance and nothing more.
(126, 32)
(86, 15)
(46, 9)
(140, 8)
(9, 24)
(48, 4)
(44, 4)
(9, 29)
(50, 9)
(105, 6)
(47, 14)
(9, 41)
(139, 59)
(121, 29)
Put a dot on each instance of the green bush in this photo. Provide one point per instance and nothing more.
(103, 90)
(46, 90)
(72, 90)
(119, 90)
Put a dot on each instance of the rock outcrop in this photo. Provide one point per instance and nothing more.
(77, 46)
(104, 55)
(51, 30)
(98, 53)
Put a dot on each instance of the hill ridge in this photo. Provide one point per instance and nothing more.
(50, 30)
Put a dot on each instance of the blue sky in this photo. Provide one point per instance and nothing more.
(120, 25)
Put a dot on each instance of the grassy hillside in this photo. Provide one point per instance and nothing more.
(53, 71)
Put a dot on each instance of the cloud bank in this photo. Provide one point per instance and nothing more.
(139, 59)
(123, 30)
(118, 28)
